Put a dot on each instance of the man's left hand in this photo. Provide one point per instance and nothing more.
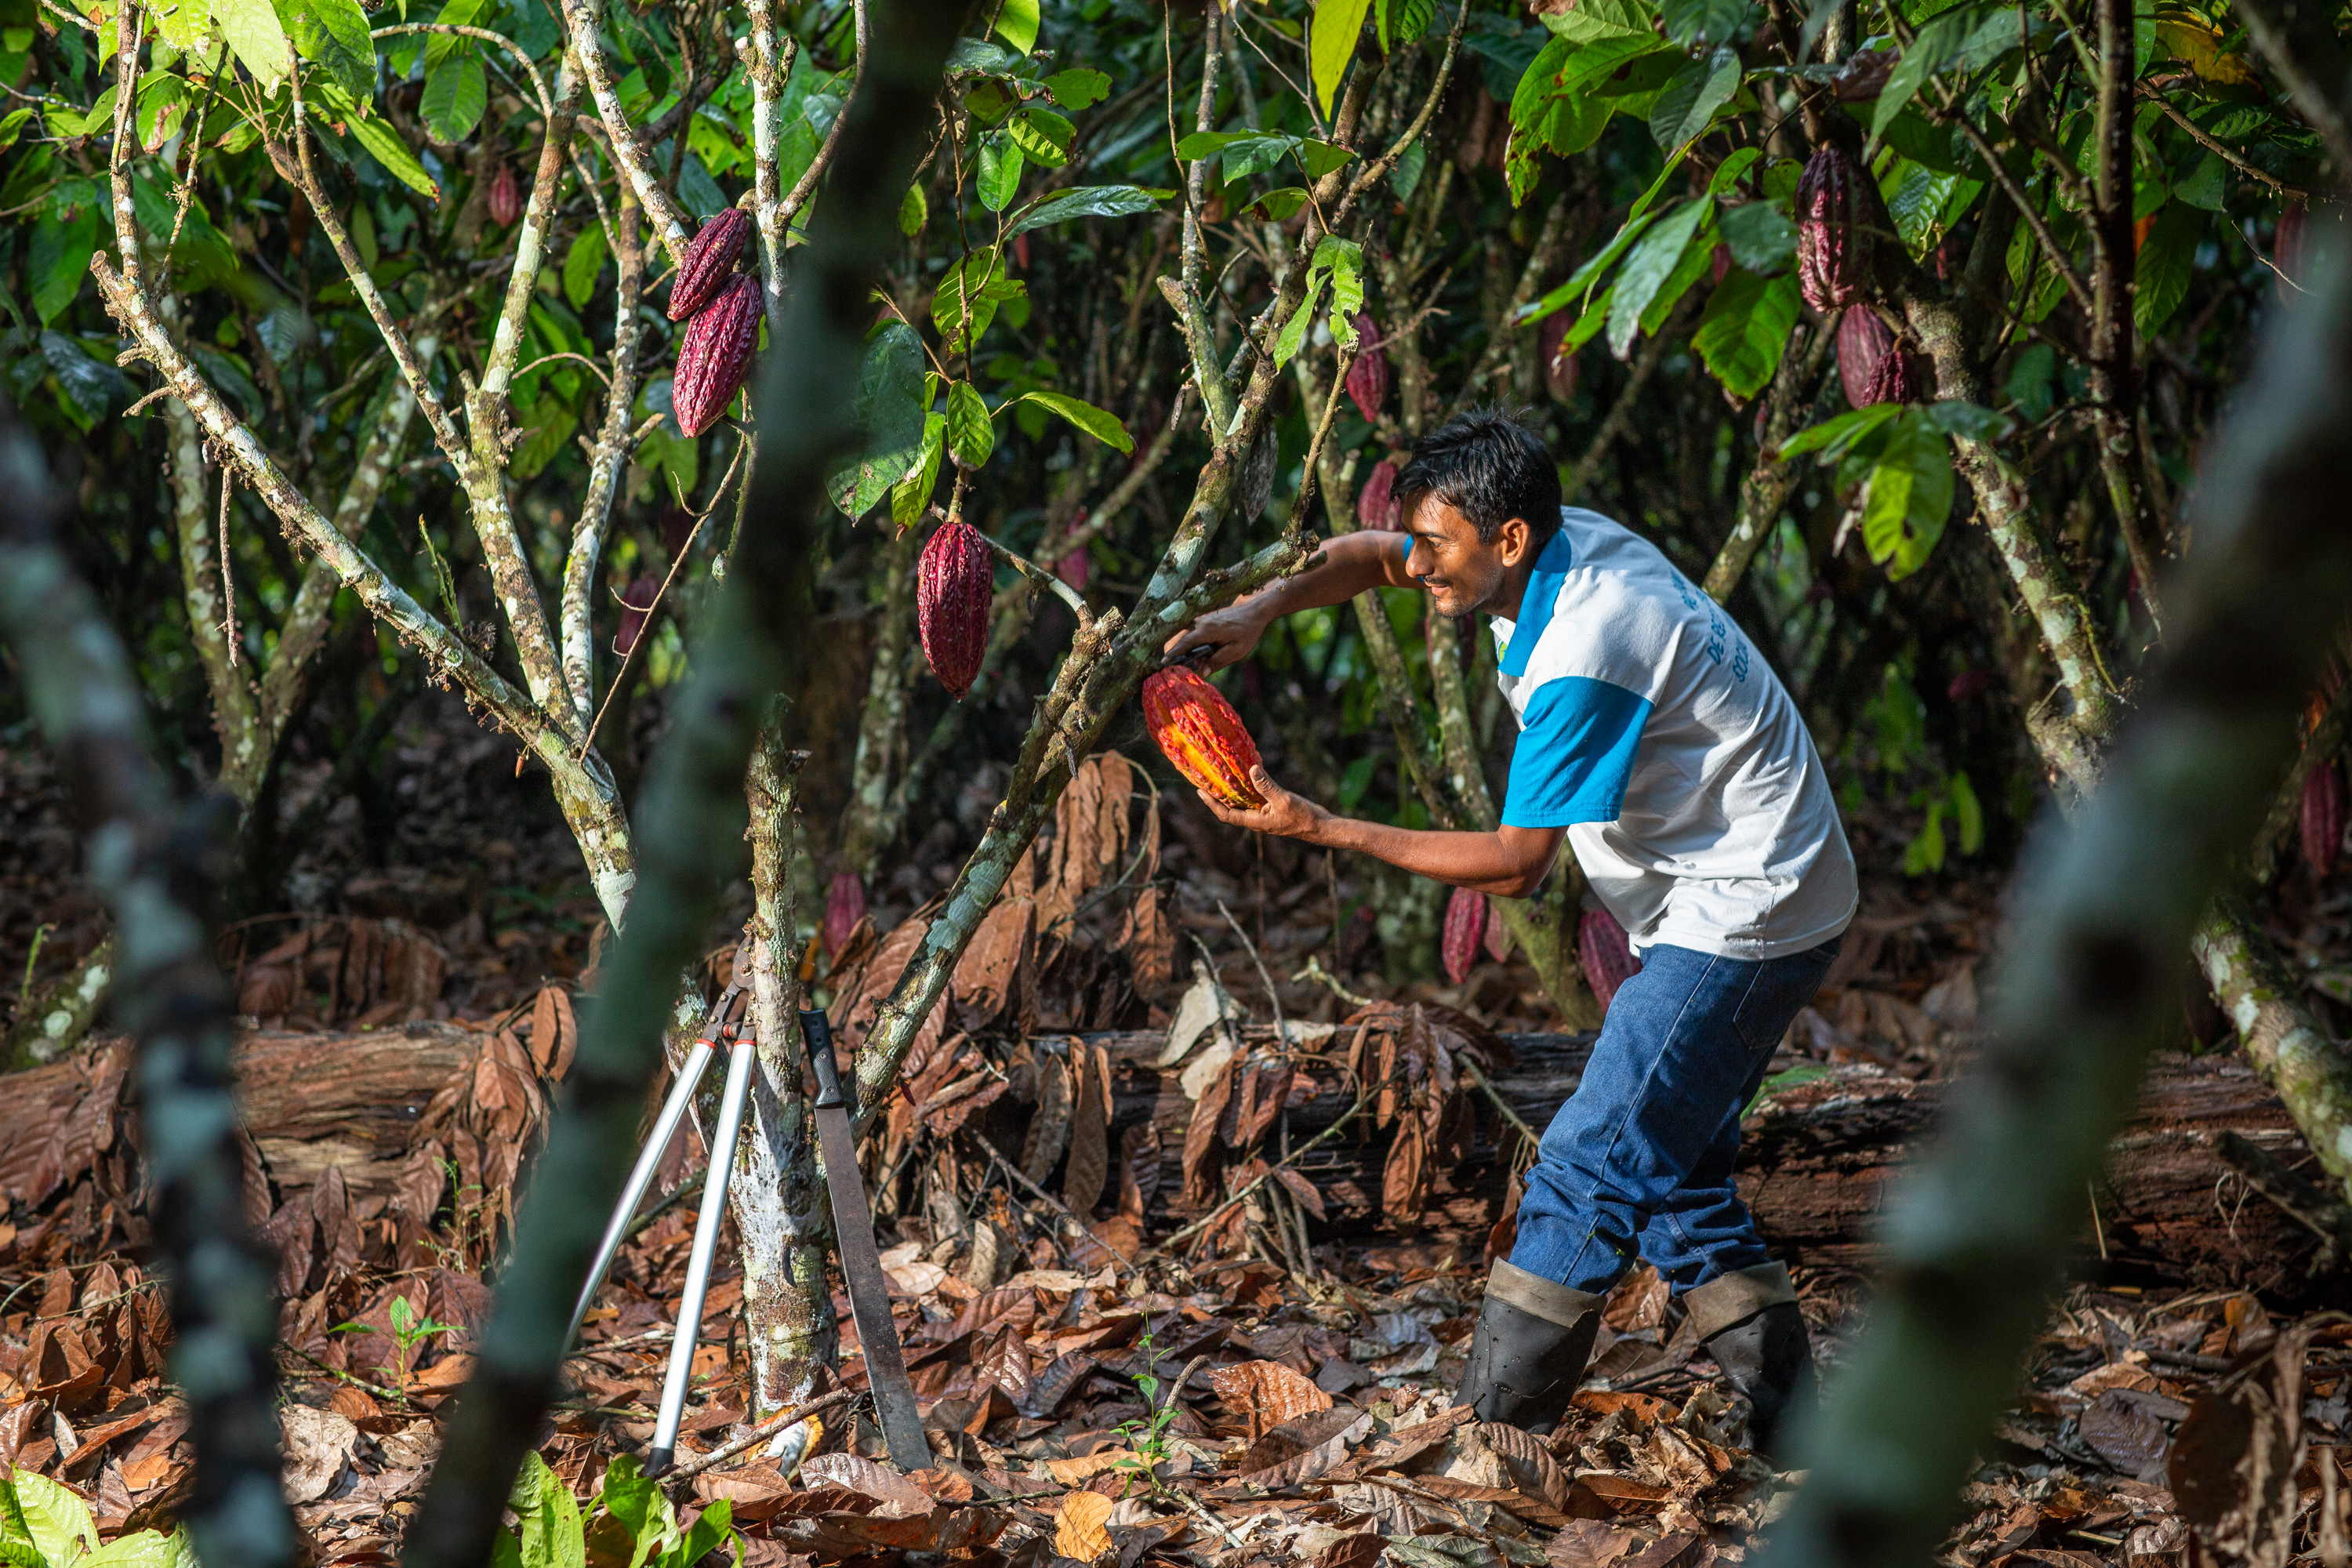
(1284, 814)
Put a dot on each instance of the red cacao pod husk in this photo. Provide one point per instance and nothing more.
(716, 356)
(1607, 957)
(1376, 503)
(1561, 366)
(506, 198)
(844, 905)
(636, 604)
(1864, 344)
(954, 581)
(1198, 730)
(1368, 378)
(709, 262)
(1466, 929)
(1833, 237)
(1897, 379)
(2322, 816)
(1720, 264)
(1498, 933)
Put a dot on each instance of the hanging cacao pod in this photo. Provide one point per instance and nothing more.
(1833, 237)
(844, 905)
(506, 198)
(1198, 730)
(716, 355)
(709, 262)
(1606, 955)
(636, 604)
(1466, 929)
(1368, 378)
(1864, 343)
(1376, 503)
(2322, 816)
(1498, 934)
(954, 581)
(1897, 380)
(1561, 369)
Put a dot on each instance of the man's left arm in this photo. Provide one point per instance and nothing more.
(1510, 862)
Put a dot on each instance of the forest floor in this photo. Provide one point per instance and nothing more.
(1313, 1419)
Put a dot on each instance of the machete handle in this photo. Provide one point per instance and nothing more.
(818, 1031)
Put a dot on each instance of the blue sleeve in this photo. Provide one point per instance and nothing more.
(1575, 753)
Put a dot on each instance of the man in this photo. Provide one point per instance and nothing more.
(1660, 746)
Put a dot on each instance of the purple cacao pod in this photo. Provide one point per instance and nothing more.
(2322, 816)
(1560, 365)
(1897, 380)
(844, 905)
(1864, 344)
(716, 356)
(709, 262)
(953, 583)
(1368, 378)
(1833, 237)
(1607, 957)
(1376, 503)
(1076, 569)
(506, 198)
(636, 604)
(1498, 935)
(1720, 264)
(1466, 930)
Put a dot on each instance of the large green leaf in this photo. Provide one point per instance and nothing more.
(889, 415)
(59, 255)
(1602, 19)
(1401, 22)
(551, 1534)
(333, 35)
(911, 495)
(1910, 496)
(1331, 43)
(2165, 259)
(256, 38)
(1761, 237)
(583, 264)
(382, 142)
(1016, 23)
(1586, 275)
(455, 93)
(999, 175)
(1085, 201)
(1693, 22)
(1080, 87)
(971, 435)
(145, 1548)
(1647, 268)
(48, 1518)
(1043, 136)
(1930, 50)
(1686, 105)
(1745, 329)
(1096, 422)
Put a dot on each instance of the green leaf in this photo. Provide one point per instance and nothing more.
(1042, 135)
(551, 1535)
(382, 142)
(1584, 276)
(912, 494)
(638, 1505)
(1933, 48)
(1294, 331)
(999, 173)
(1320, 158)
(1331, 43)
(1761, 237)
(257, 39)
(971, 435)
(968, 297)
(1910, 496)
(55, 1523)
(184, 25)
(1096, 422)
(59, 256)
(145, 1548)
(582, 264)
(1648, 267)
(1925, 853)
(1833, 438)
(890, 414)
(1686, 106)
(914, 209)
(1745, 329)
(1690, 23)
(333, 35)
(1016, 23)
(1080, 87)
(1954, 416)
(1279, 204)
(1085, 201)
(455, 93)
(1594, 19)
(2165, 259)
(1401, 22)
(1344, 260)
(1551, 102)
(1404, 175)
(715, 1528)
(1697, 260)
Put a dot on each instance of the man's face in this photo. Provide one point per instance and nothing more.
(1461, 574)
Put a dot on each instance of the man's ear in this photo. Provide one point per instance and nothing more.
(1517, 539)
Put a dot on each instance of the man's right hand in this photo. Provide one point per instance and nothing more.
(1231, 635)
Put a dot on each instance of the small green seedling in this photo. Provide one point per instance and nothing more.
(1148, 1438)
(408, 1331)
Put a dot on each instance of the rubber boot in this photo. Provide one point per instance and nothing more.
(1750, 1323)
(1529, 1354)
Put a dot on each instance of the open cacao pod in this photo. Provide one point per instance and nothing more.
(1198, 729)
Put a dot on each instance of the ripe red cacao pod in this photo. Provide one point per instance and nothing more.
(1864, 343)
(1561, 368)
(844, 905)
(954, 581)
(1198, 730)
(709, 262)
(1376, 503)
(1897, 380)
(1498, 934)
(506, 198)
(716, 355)
(1368, 378)
(1466, 929)
(1833, 236)
(636, 604)
(2322, 816)
(1607, 957)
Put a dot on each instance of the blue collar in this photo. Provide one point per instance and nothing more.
(1535, 604)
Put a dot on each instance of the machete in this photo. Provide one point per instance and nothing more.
(861, 1264)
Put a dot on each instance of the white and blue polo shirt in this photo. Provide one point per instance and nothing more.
(1650, 730)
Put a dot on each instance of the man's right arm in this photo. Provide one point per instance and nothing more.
(1352, 564)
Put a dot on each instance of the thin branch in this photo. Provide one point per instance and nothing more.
(1039, 575)
(806, 186)
(480, 35)
(2220, 149)
(1372, 173)
(585, 20)
(614, 444)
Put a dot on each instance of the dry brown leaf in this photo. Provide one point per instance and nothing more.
(900, 1498)
(1201, 1142)
(554, 1034)
(1076, 1472)
(1049, 1126)
(1267, 1395)
(1078, 1523)
(318, 1444)
(989, 976)
(1299, 1187)
(1403, 1186)
(1089, 1166)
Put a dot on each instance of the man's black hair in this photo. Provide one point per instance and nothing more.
(1488, 467)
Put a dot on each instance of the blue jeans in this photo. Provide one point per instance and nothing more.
(1638, 1162)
